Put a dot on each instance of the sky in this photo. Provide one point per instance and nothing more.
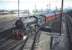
(32, 4)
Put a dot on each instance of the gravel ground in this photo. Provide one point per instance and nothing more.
(44, 42)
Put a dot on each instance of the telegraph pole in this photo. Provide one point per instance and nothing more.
(18, 8)
(62, 2)
(61, 16)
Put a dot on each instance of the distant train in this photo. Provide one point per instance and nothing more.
(51, 16)
(4, 12)
(43, 19)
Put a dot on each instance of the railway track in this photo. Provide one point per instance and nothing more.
(8, 43)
